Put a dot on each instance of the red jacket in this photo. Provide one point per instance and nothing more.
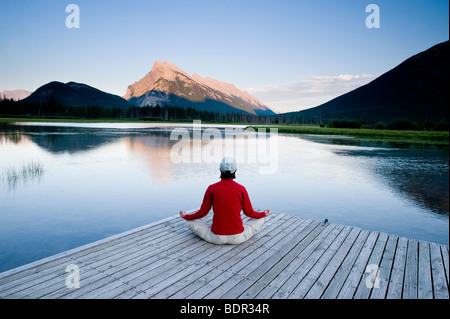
(227, 199)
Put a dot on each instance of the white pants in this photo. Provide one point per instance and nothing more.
(203, 230)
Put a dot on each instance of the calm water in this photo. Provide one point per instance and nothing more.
(65, 185)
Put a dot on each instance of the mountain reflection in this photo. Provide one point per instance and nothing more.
(65, 140)
(152, 145)
(417, 172)
(155, 151)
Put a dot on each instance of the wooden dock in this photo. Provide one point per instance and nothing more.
(289, 257)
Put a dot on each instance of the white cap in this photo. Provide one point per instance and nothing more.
(228, 164)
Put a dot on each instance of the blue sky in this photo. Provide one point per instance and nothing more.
(290, 54)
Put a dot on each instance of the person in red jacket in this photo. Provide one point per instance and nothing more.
(228, 199)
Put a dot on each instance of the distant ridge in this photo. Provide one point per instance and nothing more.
(416, 89)
(77, 94)
(16, 95)
(168, 84)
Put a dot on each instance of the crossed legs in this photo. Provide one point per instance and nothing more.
(203, 230)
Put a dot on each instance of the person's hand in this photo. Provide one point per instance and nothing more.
(182, 214)
(267, 212)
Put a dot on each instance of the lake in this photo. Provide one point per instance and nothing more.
(63, 185)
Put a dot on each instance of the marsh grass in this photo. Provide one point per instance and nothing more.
(12, 177)
(432, 137)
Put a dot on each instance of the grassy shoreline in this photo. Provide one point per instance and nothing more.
(430, 137)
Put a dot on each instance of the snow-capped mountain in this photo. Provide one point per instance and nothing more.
(16, 95)
(168, 84)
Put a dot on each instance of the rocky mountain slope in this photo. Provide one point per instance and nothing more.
(168, 84)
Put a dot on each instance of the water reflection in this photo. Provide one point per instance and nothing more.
(380, 143)
(420, 172)
(155, 151)
(59, 140)
(68, 185)
(10, 134)
(407, 168)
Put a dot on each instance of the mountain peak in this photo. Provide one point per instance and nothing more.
(170, 65)
(153, 80)
(167, 78)
(78, 86)
(166, 68)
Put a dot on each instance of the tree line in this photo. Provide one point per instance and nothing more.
(52, 108)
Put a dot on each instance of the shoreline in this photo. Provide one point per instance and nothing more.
(421, 137)
(424, 137)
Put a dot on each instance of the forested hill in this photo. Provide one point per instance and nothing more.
(416, 89)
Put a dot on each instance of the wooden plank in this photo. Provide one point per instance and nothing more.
(241, 274)
(141, 278)
(160, 257)
(273, 286)
(424, 284)
(350, 285)
(303, 263)
(332, 267)
(272, 268)
(384, 272)
(85, 259)
(98, 278)
(339, 279)
(230, 258)
(440, 283)
(410, 283)
(174, 275)
(209, 265)
(114, 263)
(444, 251)
(395, 287)
(281, 283)
(370, 276)
(289, 257)
(151, 288)
(121, 267)
(109, 257)
(62, 258)
(228, 272)
(27, 285)
(224, 282)
(282, 257)
(199, 276)
(312, 276)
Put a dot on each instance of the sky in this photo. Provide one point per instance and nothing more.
(290, 54)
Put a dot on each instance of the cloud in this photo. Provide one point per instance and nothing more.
(309, 92)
